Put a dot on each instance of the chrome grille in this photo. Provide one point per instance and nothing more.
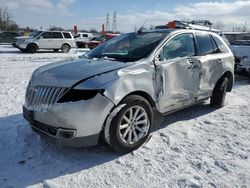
(43, 97)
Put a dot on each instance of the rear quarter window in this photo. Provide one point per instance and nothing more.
(220, 44)
(205, 44)
(67, 35)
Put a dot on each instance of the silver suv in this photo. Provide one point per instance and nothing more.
(114, 91)
(51, 40)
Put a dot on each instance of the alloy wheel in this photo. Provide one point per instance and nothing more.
(134, 125)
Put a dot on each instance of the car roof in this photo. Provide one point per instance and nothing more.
(56, 31)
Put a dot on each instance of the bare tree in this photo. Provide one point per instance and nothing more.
(219, 25)
(6, 23)
(55, 28)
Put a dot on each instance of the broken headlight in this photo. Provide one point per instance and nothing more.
(74, 95)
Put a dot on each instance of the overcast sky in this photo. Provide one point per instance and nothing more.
(130, 13)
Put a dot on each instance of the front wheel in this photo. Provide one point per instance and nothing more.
(31, 48)
(65, 48)
(219, 93)
(130, 127)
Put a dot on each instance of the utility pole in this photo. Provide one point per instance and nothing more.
(107, 22)
(114, 22)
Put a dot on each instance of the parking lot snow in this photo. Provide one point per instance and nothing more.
(196, 147)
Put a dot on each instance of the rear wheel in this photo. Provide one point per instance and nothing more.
(65, 48)
(130, 127)
(31, 48)
(219, 93)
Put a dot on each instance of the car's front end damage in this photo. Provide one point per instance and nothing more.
(72, 112)
(67, 119)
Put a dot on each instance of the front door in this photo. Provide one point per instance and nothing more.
(178, 73)
(45, 40)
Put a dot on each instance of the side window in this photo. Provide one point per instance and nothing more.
(57, 35)
(76, 36)
(220, 44)
(205, 44)
(180, 46)
(85, 35)
(3, 34)
(47, 35)
(215, 46)
(67, 35)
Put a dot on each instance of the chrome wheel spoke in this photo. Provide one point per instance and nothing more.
(135, 135)
(142, 122)
(141, 115)
(136, 113)
(130, 136)
(126, 132)
(126, 119)
(123, 126)
(140, 129)
(130, 114)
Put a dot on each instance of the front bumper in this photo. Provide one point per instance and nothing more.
(82, 120)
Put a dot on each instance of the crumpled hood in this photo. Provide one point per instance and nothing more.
(70, 72)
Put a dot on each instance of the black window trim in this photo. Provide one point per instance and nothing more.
(57, 32)
(198, 48)
(216, 51)
(67, 33)
(47, 32)
(160, 48)
(195, 47)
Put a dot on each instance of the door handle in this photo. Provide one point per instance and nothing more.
(193, 66)
(220, 61)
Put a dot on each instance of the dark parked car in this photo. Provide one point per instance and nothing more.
(8, 36)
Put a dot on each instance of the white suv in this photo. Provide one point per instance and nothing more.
(82, 39)
(52, 40)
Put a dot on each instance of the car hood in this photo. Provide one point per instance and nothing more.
(23, 37)
(72, 72)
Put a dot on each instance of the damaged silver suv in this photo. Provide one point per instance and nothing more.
(114, 90)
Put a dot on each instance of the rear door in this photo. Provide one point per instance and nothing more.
(211, 58)
(57, 40)
(177, 73)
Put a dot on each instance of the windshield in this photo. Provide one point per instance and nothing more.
(128, 47)
(35, 33)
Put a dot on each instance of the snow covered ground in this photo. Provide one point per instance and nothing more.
(197, 147)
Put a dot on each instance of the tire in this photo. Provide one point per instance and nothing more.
(55, 50)
(219, 93)
(31, 48)
(65, 48)
(126, 133)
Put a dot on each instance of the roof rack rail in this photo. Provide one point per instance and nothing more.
(204, 25)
